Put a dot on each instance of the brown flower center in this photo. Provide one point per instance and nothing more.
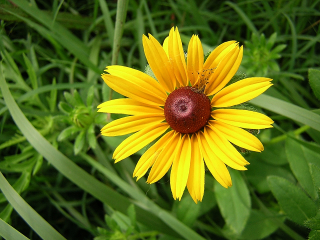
(187, 110)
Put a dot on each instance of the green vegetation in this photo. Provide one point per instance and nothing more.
(57, 176)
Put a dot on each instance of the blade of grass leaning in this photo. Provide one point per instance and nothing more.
(29, 215)
(10, 233)
(85, 181)
(244, 17)
(107, 20)
(120, 20)
(57, 31)
(288, 110)
(122, 6)
(294, 42)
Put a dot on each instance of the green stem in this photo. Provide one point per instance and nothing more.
(120, 19)
(297, 132)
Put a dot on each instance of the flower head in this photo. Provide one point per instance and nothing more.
(186, 109)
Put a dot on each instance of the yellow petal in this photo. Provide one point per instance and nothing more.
(241, 91)
(238, 136)
(164, 160)
(180, 168)
(217, 168)
(165, 46)
(130, 107)
(159, 62)
(150, 156)
(242, 118)
(226, 146)
(211, 65)
(214, 144)
(195, 182)
(218, 53)
(225, 71)
(195, 59)
(132, 90)
(177, 57)
(139, 78)
(130, 124)
(138, 140)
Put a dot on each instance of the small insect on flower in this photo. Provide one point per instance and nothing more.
(186, 109)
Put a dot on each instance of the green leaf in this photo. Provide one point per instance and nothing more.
(258, 171)
(131, 212)
(294, 202)
(289, 110)
(53, 97)
(79, 143)
(8, 232)
(91, 137)
(90, 96)
(187, 211)
(315, 173)
(271, 41)
(77, 98)
(234, 202)
(274, 154)
(37, 166)
(56, 31)
(314, 81)
(65, 108)
(70, 99)
(34, 220)
(313, 223)
(300, 166)
(31, 73)
(259, 226)
(67, 132)
(314, 235)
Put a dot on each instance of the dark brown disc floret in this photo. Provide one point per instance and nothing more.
(187, 110)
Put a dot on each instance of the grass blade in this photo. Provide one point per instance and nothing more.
(288, 110)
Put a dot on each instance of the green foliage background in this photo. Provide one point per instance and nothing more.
(58, 180)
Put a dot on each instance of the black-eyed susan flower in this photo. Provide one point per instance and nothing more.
(186, 109)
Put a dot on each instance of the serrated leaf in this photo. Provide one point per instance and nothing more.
(274, 154)
(258, 171)
(313, 223)
(259, 226)
(294, 202)
(314, 235)
(300, 166)
(79, 143)
(315, 173)
(234, 203)
(314, 81)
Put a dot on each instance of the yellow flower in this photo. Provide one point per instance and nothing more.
(186, 110)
